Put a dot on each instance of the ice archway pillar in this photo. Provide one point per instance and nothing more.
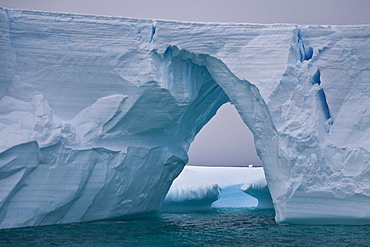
(97, 113)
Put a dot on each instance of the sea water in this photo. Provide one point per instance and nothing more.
(216, 227)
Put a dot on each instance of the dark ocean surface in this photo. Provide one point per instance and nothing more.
(216, 227)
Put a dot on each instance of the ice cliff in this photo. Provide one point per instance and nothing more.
(97, 113)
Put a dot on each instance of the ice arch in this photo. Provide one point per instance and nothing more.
(107, 107)
(221, 86)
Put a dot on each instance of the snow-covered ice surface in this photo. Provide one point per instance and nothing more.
(200, 188)
(97, 113)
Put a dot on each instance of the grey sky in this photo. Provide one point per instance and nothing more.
(255, 11)
(225, 140)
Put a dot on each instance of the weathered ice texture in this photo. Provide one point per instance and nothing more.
(97, 113)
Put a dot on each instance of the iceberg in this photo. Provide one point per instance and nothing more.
(191, 198)
(200, 188)
(258, 189)
(97, 113)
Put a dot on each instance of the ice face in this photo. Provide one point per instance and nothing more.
(97, 113)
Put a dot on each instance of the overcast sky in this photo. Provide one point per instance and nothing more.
(254, 11)
(225, 140)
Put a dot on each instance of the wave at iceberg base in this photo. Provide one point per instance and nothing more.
(97, 113)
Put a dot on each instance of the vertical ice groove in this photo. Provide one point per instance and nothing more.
(325, 106)
(154, 29)
(316, 79)
(305, 51)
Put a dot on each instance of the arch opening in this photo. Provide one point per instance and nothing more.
(207, 84)
(213, 178)
(224, 141)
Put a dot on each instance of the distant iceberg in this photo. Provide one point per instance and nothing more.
(200, 188)
(97, 113)
(191, 198)
(257, 187)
